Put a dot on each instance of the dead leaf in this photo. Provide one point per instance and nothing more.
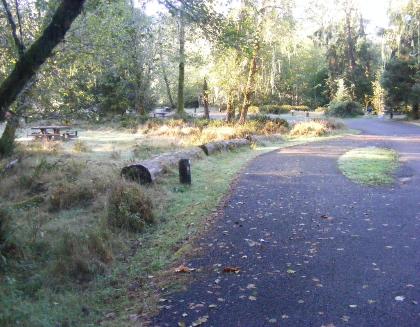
(235, 270)
(327, 217)
(183, 269)
(200, 321)
(345, 318)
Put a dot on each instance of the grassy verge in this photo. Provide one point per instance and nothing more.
(369, 165)
(67, 267)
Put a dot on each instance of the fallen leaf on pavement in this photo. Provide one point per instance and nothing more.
(327, 217)
(235, 270)
(183, 269)
(200, 321)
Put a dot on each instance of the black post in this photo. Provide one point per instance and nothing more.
(185, 171)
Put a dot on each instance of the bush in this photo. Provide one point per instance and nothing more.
(68, 196)
(253, 110)
(129, 122)
(309, 128)
(270, 125)
(344, 109)
(128, 207)
(282, 109)
(331, 124)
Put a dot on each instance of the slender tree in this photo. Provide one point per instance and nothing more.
(206, 99)
(252, 71)
(181, 69)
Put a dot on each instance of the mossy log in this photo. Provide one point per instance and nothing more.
(146, 171)
(220, 146)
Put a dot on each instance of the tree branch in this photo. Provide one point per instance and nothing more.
(27, 66)
(19, 45)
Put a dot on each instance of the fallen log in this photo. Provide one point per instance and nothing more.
(220, 146)
(146, 172)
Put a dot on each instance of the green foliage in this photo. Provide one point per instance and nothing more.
(378, 96)
(344, 109)
(281, 109)
(342, 94)
(399, 79)
(264, 119)
(128, 207)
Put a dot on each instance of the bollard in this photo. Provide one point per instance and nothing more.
(184, 171)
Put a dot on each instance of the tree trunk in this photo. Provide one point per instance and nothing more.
(7, 140)
(181, 76)
(206, 99)
(230, 108)
(166, 80)
(249, 89)
(38, 53)
(250, 85)
(416, 111)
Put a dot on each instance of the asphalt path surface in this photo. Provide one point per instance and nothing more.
(313, 248)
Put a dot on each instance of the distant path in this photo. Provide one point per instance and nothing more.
(314, 248)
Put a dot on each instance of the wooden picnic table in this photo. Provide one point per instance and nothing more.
(53, 132)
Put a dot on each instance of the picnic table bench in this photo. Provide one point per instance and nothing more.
(53, 132)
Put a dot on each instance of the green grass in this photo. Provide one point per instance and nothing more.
(30, 295)
(369, 165)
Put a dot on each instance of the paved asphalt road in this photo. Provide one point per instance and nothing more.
(313, 248)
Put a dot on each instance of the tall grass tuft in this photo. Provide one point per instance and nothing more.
(128, 207)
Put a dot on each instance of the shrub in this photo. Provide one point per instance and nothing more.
(67, 196)
(266, 119)
(309, 128)
(253, 110)
(344, 109)
(129, 122)
(282, 109)
(128, 207)
(331, 124)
